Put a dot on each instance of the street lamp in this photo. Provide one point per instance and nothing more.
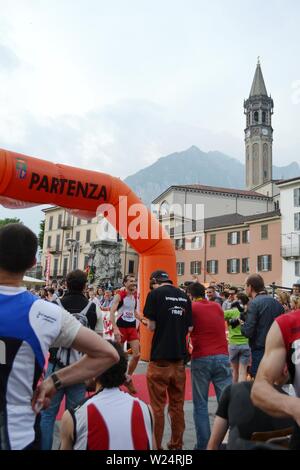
(75, 244)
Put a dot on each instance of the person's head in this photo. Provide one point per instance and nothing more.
(232, 294)
(295, 302)
(254, 285)
(99, 291)
(91, 293)
(283, 297)
(54, 284)
(243, 298)
(159, 278)
(129, 281)
(196, 290)
(225, 294)
(108, 294)
(116, 375)
(296, 289)
(18, 247)
(76, 280)
(60, 292)
(211, 293)
(50, 292)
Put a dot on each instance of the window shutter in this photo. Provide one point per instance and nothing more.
(228, 266)
(183, 243)
(238, 238)
(270, 262)
(259, 267)
(216, 267)
(208, 267)
(229, 239)
(238, 262)
(192, 270)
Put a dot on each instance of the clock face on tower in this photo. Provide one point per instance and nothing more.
(265, 131)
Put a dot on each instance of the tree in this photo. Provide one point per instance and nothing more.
(6, 221)
(41, 234)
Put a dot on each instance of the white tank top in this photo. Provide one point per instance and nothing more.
(113, 420)
(126, 311)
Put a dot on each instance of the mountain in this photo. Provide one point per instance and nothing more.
(194, 166)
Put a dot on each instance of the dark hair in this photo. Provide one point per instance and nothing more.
(226, 294)
(127, 277)
(116, 375)
(76, 280)
(235, 289)
(256, 282)
(60, 292)
(50, 290)
(196, 290)
(243, 298)
(18, 246)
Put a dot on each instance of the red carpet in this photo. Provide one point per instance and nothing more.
(141, 386)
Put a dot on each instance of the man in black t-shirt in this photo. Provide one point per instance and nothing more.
(237, 412)
(169, 314)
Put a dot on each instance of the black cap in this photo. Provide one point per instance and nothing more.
(160, 276)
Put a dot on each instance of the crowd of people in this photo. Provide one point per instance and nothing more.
(75, 339)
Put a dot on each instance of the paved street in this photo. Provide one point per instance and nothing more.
(189, 435)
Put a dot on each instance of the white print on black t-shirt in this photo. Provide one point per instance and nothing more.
(177, 310)
(176, 299)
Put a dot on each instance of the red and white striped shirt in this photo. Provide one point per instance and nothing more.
(113, 420)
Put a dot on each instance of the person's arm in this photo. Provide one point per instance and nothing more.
(270, 370)
(113, 310)
(66, 432)
(218, 433)
(249, 326)
(150, 311)
(99, 356)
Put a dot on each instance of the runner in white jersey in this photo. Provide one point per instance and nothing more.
(111, 419)
(28, 327)
(125, 328)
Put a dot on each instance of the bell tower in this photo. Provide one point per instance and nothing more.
(258, 109)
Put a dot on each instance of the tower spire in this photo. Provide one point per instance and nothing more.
(258, 85)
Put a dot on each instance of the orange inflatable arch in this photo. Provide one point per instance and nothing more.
(26, 181)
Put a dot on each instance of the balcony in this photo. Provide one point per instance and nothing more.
(54, 250)
(66, 225)
(290, 251)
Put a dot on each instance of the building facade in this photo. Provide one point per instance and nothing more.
(67, 242)
(290, 230)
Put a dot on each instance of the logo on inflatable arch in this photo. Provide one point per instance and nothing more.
(21, 168)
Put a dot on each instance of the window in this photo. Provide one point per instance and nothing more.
(297, 268)
(297, 220)
(51, 222)
(212, 240)
(89, 221)
(77, 236)
(180, 269)
(195, 267)
(74, 263)
(180, 244)
(264, 117)
(88, 236)
(172, 232)
(264, 263)
(246, 236)
(68, 221)
(86, 262)
(196, 243)
(245, 265)
(131, 266)
(78, 221)
(59, 222)
(256, 116)
(212, 266)
(65, 267)
(55, 267)
(49, 242)
(233, 266)
(194, 225)
(67, 237)
(57, 244)
(233, 238)
(264, 231)
(297, 197)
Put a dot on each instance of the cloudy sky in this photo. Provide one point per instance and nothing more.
(113, 85)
